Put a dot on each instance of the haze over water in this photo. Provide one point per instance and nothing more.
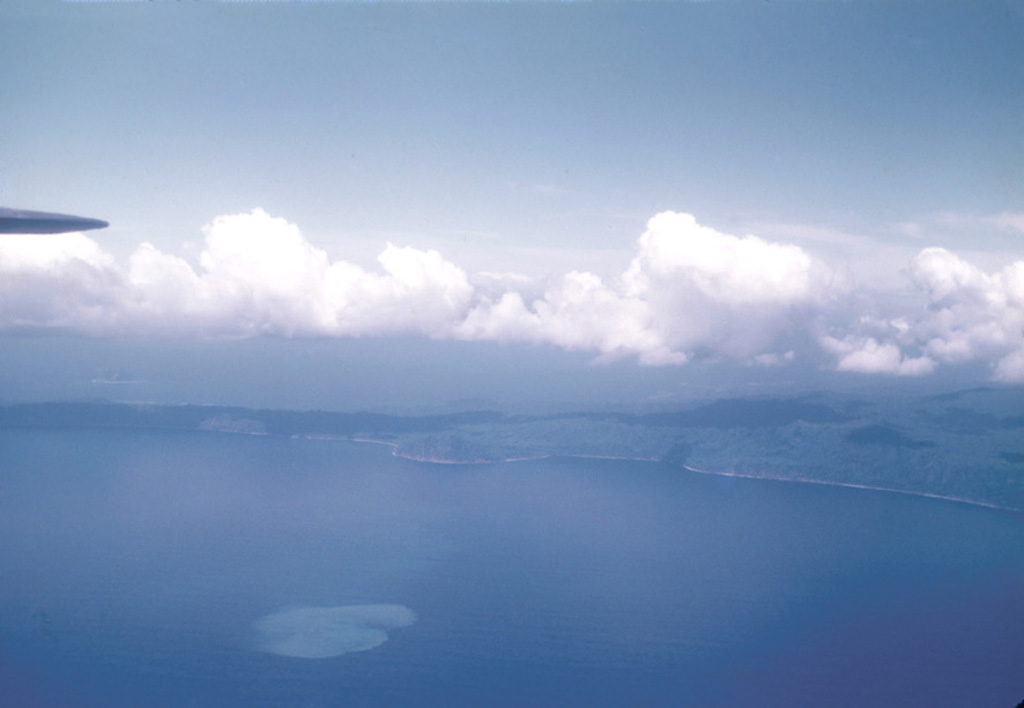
(156, 569)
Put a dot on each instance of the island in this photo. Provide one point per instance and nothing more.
(965, 446)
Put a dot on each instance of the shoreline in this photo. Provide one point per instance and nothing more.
(415, 458)
(796, 480)
(854, 485)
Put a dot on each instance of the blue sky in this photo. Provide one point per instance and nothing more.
(515, 155)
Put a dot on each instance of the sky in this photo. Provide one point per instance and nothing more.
(378, 204)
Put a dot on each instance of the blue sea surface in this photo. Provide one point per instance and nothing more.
(150, 569)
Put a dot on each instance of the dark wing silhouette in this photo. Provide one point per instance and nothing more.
(20, 221)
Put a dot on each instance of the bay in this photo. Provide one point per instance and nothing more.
(138, 569)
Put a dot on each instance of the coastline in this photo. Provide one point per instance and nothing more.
(416, 458)
(853, 485)
(966, 471)
(775, 478)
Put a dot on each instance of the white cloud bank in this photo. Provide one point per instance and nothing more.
(689, 291)
(970, 316)
(258, 275)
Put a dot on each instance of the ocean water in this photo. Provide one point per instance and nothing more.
(144, 569)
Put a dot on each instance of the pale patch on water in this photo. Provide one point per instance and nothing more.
(322, 632)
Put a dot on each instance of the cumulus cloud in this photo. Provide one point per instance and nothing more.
(721, 267)
(256, 275)
(970, 316)
(61, 280)
(866, 355)
(259, 272)
(689, 291)
(711, 291)
(581, 312)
